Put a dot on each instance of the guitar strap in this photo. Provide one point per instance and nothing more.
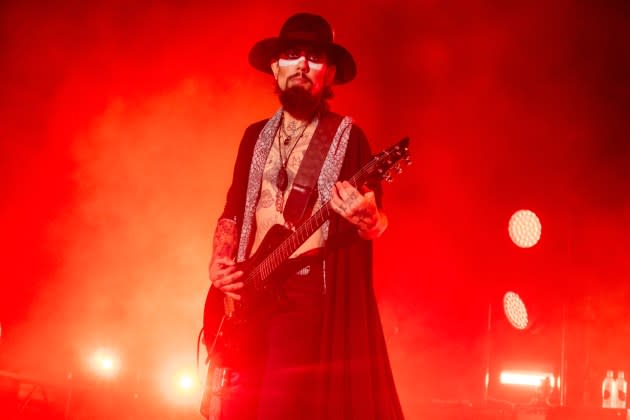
(301, 198)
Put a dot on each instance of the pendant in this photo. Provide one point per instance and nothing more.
(279, 201)
(282, 180)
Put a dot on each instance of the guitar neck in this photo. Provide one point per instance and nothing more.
(305, 230)
(282, 253)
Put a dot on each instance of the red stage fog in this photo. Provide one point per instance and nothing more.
(119, 126)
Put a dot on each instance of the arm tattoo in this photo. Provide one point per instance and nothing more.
(225, 237)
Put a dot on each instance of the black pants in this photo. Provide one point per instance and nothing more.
(279, 380)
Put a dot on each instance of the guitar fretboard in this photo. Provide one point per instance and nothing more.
(287, 247)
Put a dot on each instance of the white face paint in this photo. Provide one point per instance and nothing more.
(286, 62)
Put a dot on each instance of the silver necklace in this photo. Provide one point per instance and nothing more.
(282, 178)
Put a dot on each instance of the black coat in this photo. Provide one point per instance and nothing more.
(356, 380)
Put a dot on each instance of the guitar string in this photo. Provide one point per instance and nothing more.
(277, 256)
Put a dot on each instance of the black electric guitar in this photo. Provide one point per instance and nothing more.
(224, 318)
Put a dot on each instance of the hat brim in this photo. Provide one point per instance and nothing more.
(264, 52)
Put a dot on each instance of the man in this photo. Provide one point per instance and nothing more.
(319, 352)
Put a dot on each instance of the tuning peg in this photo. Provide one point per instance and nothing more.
(397, 169)
(408, 160)
(388, 178)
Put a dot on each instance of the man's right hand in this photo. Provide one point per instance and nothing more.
(223, 275)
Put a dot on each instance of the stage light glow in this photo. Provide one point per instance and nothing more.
(105, 363)
(532, 379)
(179, 384)
(182, 388)
(515, 310)
(185, 381)
(525, 228)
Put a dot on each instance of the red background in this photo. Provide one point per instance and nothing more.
(119, 123)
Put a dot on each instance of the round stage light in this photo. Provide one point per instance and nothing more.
(185, 381)
(180, 385)
(525, 228)
(515, 310)
(105, 363)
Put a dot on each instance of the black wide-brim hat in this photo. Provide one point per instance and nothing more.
(310, 29)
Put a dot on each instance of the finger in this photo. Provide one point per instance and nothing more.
(219, 264)
(347, 185)
(222, 273)
(232, 287)
(339, 207)
(233, 295)
(335, 193)
(349, 188)
(354, 205)
(224, 279)
(224, 262)
(336, 202)
(226, 271)
(221, 280)
(343, 194)
(353, 195)
(369, 196)
(342, 190)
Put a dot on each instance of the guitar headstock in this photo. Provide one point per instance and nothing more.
(387, 163)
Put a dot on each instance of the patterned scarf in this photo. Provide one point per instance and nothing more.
(328, 176)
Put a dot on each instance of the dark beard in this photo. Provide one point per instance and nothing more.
(299, 102)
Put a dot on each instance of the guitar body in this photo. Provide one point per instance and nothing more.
(228, 324)
(227, 334)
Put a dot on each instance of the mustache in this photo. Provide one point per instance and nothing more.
(300, 76)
